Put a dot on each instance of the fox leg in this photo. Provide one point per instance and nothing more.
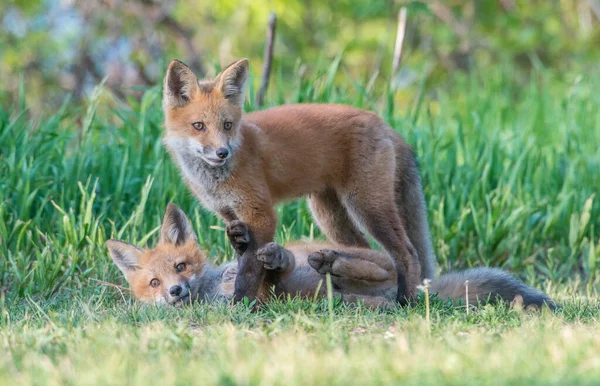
(239, 236)
(332, 218)
(370, 198)
(273, 256)
(261, 223)
(383, 223)
(412, 209)
(355, 264)
(356, 270)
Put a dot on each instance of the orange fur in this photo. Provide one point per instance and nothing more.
(356, 170)
(159, 263)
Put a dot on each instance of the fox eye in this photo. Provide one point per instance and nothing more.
(180, 267)
(227, 125)
(199, 126)
(154, 283)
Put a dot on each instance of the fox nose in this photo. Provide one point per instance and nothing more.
(175, 290)
(222, 153)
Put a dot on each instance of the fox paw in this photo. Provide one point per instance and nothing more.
(239, 236)
(272, 257)
(322, 261)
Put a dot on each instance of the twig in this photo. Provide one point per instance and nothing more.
(268, 59)
(595, 7)
(425, 288)
(329, 296)
(141, 68)
(399, 41)
(508, 5)
(584, 10)
(157, 14)
(426, 283)
(460, 28)
(88, 63)
(110, 284)
(467, 295)
(445, 14)
(185, 37)
(120, 288)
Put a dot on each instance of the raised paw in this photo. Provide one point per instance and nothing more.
(272, 257)
(322, 261)
(239, 236)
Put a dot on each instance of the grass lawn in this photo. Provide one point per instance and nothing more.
(511, 170)
(105, 340)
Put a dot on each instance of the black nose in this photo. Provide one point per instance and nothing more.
(222, 153)
(175, 290)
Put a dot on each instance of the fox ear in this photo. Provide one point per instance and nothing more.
(232, 81)
(125, 256)
(176, 228)
(180, 84)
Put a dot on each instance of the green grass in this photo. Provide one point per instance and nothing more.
(511, 174)
(105, 340)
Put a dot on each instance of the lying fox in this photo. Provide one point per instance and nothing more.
(177, 272)
(354, 168)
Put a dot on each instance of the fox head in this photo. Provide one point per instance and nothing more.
(202, 118)
(165, 274)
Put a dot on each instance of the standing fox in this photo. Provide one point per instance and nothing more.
(177, 272)
(354, 168)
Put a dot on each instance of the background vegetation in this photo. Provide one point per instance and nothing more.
(498, 98)
(62, 46)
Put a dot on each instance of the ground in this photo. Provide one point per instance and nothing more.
(111, 341)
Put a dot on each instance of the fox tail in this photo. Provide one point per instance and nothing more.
(488, 285)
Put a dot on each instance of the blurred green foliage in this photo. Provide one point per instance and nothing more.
(68, 46)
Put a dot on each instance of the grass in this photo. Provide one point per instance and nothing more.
(510, 170)
(105, 340)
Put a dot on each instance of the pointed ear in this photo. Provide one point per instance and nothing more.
(180, 84)
(125, 256)
(176, 228)
(232, 81)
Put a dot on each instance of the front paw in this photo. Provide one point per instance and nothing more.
(272, 257)
(239, 236)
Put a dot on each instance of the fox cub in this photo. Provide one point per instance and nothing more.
(177, 272)
(355, 169)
